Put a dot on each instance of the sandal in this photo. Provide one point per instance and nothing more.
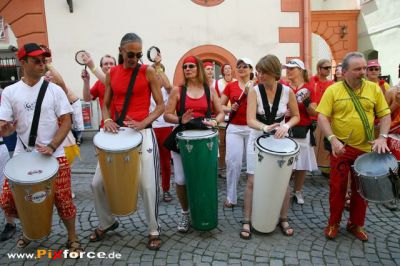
(98, 234)
(22, 242)
(154, 242)
(167, 196)
(74, 246)
(286, 229)
(227, 204)
(245, 233)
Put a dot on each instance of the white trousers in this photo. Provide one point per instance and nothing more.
(149, 188)
(236, 139)
(77, 117)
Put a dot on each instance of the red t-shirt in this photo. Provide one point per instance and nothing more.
(139, 103)
(97, 91)
(318, 87)
(233, 92)
(199, 106)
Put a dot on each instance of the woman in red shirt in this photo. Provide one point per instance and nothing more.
(195, 106)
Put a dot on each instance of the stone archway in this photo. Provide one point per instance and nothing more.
(27, 20)
(338, 29)
(209, 52)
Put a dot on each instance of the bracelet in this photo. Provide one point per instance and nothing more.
(261, 128)
(93, 70)
(106, 120)
(286, 126)
(216, 123)
(51, 147)
(330, 137)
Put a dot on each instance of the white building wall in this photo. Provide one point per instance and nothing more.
(317, 5)
(245, 28)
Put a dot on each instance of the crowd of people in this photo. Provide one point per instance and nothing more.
(256, 99)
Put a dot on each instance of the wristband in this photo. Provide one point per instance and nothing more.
(286, 126)
(106, 120)
(51, 147)
(261, 128)
(93, 70)
(330, 137)
(216, 123)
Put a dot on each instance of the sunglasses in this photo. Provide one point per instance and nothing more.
(190, 66)
(374, 68)
(133, 54)
(38, 61)
(242, 66)
(327, 67)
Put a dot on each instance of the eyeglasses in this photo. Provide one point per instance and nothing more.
(133, 54)
(38, 61)
(326, 67)
(374, 68)
(242, 66)
(190, 66)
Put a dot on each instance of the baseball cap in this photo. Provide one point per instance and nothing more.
(372, 63)
(32, 49)
(245, 60)
(295, 63)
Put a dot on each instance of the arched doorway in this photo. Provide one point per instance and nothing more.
(320, 50)
(212, 53)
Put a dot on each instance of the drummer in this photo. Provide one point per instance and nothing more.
(16, 113)
(195, 106)
(269, 73)
(139, 118)
(336, 112)
(237, 133)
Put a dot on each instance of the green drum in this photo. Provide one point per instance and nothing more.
(199, 152)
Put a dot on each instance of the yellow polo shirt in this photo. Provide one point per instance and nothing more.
(338, 106)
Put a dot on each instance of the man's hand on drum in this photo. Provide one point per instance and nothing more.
(46, 150)
(187, 116)
(110, 126)
(129, 122)
(281, 131)
(380, 145)
(338, 147)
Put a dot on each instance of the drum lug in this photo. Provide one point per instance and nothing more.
(108, 159)
(189, 147)
(210, 146)
(260, 157)
(281, 162)
(127, 158)
(290, 161)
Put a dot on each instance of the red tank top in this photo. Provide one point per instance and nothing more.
(199, 106)
(139, 103)
(233, 91)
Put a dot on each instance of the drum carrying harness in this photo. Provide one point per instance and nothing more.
(269, 117)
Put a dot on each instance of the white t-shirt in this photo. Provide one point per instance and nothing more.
(160, 122)
(18, 103)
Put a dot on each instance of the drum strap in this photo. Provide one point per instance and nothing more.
(36, 114)
(269, 117)
(183, 100)
(120, 118)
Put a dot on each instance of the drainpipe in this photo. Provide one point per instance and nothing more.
(307, 34)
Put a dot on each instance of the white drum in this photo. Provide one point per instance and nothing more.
(271, 178)
(32, 179)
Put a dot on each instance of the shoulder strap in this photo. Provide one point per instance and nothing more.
(270, 114)
(182, 101)
(36, 114)
(121, 117)
(207, 92)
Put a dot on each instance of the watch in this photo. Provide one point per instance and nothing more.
(384, 135)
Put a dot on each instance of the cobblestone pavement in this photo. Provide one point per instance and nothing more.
(221, 246)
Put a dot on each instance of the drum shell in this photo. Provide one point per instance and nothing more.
(323, 156)
(394, 145)
(222, 145)
(374, 188)
(35, 217)
(271, 179)
(120, 172)
(200, 165)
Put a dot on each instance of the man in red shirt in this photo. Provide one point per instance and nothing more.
(139, 118)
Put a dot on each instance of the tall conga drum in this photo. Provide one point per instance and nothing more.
(32, 178)
(120, 166)
(199, 151)
(271, 177)
(322, 155)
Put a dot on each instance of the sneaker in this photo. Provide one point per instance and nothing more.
(8, 232)
(331, 231)
(299, 197)
(184, 224)
(358, 231)
(392, 205)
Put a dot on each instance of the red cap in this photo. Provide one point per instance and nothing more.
(32, 49)
(208, 64)
(372, 63)
(190, 59)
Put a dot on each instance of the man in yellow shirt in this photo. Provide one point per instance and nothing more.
(341, 123)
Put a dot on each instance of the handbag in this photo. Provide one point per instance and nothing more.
(299, 132)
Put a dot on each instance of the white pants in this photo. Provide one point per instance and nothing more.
(77, 118)
(237, 137)
(149, 188)
(179, 175)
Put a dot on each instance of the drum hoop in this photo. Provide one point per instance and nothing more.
(295, 151)
(211, 135)
(358, 171)
(7, 174)
(133, 147)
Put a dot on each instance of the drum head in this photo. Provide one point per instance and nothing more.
(197, 134)
(272, 145)
(375, 164)
(30, 167)
(125, 139)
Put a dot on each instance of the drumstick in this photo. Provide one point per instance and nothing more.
(347, 140)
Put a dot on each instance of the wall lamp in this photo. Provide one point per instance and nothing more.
(343, 31)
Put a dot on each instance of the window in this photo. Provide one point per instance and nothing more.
(208, 3)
